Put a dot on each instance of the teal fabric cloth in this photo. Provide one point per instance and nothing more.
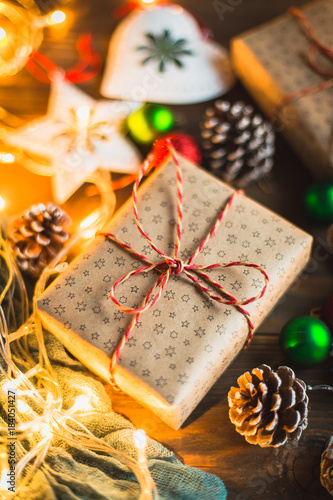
(74, 473)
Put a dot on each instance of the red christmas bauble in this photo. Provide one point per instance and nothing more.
(185, 144)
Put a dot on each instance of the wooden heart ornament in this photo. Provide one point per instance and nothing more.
(161, 55)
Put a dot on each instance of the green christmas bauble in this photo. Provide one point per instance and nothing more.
(149, 121)
(306, 341)
(319, 201)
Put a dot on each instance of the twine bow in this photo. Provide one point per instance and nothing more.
(173, 264)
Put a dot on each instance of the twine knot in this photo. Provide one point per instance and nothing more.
(178, 266)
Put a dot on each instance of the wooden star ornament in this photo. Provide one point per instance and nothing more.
(78, 135)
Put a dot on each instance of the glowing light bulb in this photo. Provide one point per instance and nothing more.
(82, 403)
(88, 221)
(2, 34)
(57, 17)
(88, 226)
(148, 1)
(45, 430)
(83, 112)
(2, 203)
(140, 439)
(23, 407)
(7, 157)
(4, 468)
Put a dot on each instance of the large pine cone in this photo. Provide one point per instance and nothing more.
(326, 467)
(269, 408)
(38, 236)
(238, 144)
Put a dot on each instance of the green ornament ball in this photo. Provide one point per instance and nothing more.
(319, 201)
(306, 341)
(149, 122)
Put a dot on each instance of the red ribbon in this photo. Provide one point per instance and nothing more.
(315, 47)
(173, 264)
(88, 66)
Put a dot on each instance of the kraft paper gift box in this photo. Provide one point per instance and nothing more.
(181, 346)
(271, 61)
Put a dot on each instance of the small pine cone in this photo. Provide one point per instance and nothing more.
(269, 408)
(326, 467)
(38, 236)
(238, 144)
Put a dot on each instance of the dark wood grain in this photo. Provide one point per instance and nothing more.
(208, 439)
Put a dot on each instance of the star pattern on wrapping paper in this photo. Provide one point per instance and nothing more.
(200, 332)
(221, 329)
(81, 306)
(207, 303)
(70, 281)
(182, 378)
(77, 136)
(99, 263)
(159, 329)
(169, 294)
(60, 310)
(170, 351)
(175, 356)
(256, 283)
(131, 342)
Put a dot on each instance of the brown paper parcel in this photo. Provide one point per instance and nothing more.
(271, 61)
(181, 346)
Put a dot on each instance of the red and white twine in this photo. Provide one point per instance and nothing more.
(173, 264)
(315, 47)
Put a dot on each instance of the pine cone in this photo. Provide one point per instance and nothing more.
(326, 467)
(269, 408)
(37, 236)
(238, 144)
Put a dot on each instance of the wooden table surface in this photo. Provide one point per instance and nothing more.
(208, 439)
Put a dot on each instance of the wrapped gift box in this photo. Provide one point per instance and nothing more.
(181, 346)
(271, 61)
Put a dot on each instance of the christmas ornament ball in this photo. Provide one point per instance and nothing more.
(183, 143)
(306, 341)
(319, 201)
(150, 121)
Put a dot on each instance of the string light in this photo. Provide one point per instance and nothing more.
(147, 3)
(89, 225)
(81, 404)
(2, 34)
(57, 17)
(83, 112)
(7, 157)
(140, 440)
(2, 203)
(4, 469)
(39, 414)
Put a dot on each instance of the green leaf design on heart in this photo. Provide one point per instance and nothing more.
(164, 48)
